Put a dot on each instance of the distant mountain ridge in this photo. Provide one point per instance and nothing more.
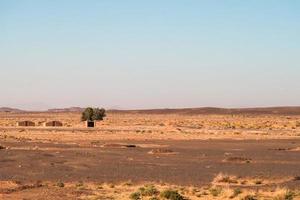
(287, 110)
(71, 109)
(7, 109)
(295, 110)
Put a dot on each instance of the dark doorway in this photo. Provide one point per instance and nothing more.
(90, 124)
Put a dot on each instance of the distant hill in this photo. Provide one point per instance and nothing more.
(213, 110)
(183, 111)
(71, 109)
(7, 109)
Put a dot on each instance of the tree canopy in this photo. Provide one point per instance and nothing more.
(92, 114)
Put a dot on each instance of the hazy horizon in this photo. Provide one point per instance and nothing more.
(157, 108)
(156, 54)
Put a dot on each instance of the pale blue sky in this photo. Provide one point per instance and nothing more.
(149, 54)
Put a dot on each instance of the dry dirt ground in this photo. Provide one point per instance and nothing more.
(139, 156)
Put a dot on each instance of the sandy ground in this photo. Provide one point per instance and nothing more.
(201, 157)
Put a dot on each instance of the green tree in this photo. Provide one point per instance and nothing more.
(98, 114)
(91, 114)
(87, 114)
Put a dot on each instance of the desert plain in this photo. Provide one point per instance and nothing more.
(140, 155)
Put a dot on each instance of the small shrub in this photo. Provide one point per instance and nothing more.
(195, 190)
(223, 178)
(148, 190)
(128, 183)
(249, 197)
(172, 195)
(258, 182)
(236, 192)
(215, 191)
(135, 196)
(60, 184)
(289, 195)
(100, 187)
(297, 178)
(79, 184)
(243, 182)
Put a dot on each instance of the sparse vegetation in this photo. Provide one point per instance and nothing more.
(60, 184)
(215, 191)
(135, 196)
(128, 183)
(236, 192)
(258, 182)
(79, 184)
(171, 194)
(289, 195)
(148, 190)
(132, 126)
(153, 198)
(152, 191)
(249, 197)
(297, 178)
(223, 178)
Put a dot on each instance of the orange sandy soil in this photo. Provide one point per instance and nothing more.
(144, 127)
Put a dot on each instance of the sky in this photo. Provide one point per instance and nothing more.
(137, 54)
